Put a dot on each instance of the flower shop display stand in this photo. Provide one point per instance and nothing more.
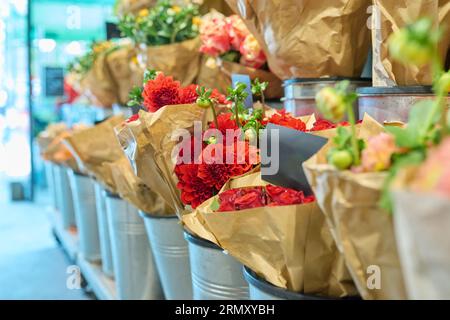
(299, 94)
(66, 237)
(101, 285)
(215, 275)
(171, 254)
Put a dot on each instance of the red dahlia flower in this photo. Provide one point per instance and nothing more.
(160, 92)
(134, 117)
(285, 119)
(188, 94)
(225, 121)
(193, 190)
(277, 196)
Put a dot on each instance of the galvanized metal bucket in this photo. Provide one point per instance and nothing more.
(64, 196)
(260, 289)
(49, 175)
(391, 103)
(299, 94)
(134, 268)
(171, 254)
(83, 193)
(215, 275)
(103, 231)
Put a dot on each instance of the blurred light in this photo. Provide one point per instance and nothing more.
(46, 45)
(21, 6)
(74, 48)
(4, 9)
(3, 98)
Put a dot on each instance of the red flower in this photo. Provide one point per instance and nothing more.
(160, 92)
(240, 199)
(277, 196)
(225, 121)
(220, 98)
(193, 190)
(285, 119)
(134, 117)
(188, 94)
(322, 124)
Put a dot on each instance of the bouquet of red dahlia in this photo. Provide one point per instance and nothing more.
(230, 48)
(279, 233)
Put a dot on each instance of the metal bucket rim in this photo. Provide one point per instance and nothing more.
(325, 79)
(199, 241)
(109, 194)
(253, 279)
(79, 174)
(399, 90)
(156, 216)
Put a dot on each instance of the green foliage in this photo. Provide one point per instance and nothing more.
(162, 24)
(135, 96)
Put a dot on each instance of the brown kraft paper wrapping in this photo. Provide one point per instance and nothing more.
(422, 222)
(45, 138)
(389, 16)
(58, 153)
(140, 153)
(290, 246)
(309, 39)
(123, 72)
(100, 154)
(132, 6)
(160, 129)
(99, 83)
(180, 60)
(362, 230)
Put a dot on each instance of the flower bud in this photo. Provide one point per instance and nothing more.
(331, 104)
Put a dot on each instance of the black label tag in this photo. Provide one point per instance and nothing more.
(283, 150)
(244, 78)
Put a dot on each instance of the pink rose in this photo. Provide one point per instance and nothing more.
(237, 31)
(377, 154)
(214, 36)
(252, 54)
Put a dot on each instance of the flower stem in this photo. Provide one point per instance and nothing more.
(213, 108)
(236, 115)
(354, 141)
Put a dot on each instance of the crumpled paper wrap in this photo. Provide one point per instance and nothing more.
(161, 129)
(216, 73)
(362, 230)
(58, 153)
(422, 222)
(99, 84)
(124, 7)
(309, 39)
(100, 154)
(45, 138)
(180, 60)
(133, 139)
(389, 16)
(125, 77)
(289, 246)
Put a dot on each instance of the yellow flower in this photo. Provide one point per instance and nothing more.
(143, 13)
(196, 21)
(177, 9)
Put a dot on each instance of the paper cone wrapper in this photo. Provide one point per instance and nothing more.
(216, 73)
(289, 246)
(298, 44)
(140, 154)
(163, 129)
(422, 222)
(180, 60)
(388, 17)
(57, 152)
(45, 138)
(99, 83)
(122, 71)
(363, 231)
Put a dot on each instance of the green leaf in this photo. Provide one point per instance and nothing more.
(404, 137)
(215, 205)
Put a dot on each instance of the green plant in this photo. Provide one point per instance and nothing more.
(237, 95)
(162, 24)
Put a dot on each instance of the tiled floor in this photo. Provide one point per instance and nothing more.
(32, 266)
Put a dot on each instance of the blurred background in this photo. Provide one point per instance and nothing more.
(37, 40)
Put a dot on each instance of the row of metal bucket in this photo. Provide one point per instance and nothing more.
(381, 103)
(149, 257)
